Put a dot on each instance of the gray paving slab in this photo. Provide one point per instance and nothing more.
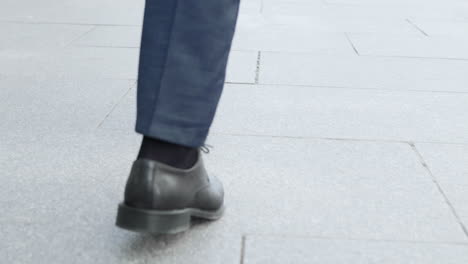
(464, 220)
(112, 36)
(417, 47)
(242, 67)
(30, 39)
(35, 110)
(443, 27)
(328, 188)
(300, 8)
(322, 23)
(368, 190)
(398, 3)
(383, 182)
(342, 113)
(28, 65)
(291, 40)
(120, 63)
(277, 249)
(63, 209)
(122, 118)
(449, 164)
(351, 11)
(429, 10)
(363, 72)
(118, 12)
(454, 14)
(75, 63)
(251, 6)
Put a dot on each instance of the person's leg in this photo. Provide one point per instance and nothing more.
(184, 51)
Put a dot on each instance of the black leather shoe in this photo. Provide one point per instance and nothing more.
(161, 199)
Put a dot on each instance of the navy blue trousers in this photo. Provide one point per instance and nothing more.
(184, 51)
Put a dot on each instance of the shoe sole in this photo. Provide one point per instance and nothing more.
(161, 222)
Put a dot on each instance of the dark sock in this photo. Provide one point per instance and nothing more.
(174, 155)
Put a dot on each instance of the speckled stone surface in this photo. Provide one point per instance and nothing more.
(341, 135)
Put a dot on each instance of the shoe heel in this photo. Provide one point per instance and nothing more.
(152, 221)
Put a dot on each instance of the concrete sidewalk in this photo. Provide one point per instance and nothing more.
(342, 135)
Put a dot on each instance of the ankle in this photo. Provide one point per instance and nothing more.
(172, 154)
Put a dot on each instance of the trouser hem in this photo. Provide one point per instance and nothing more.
(186, 136)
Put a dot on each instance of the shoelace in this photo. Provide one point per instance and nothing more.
(206, 148)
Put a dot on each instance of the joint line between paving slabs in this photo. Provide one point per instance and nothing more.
(373, 240)
(81, 36)
(242, 255)
(115, 105)
(416, 57)
(439, 187)
(43, 22)
(257, 70)
(352, 44)
(417, 28)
